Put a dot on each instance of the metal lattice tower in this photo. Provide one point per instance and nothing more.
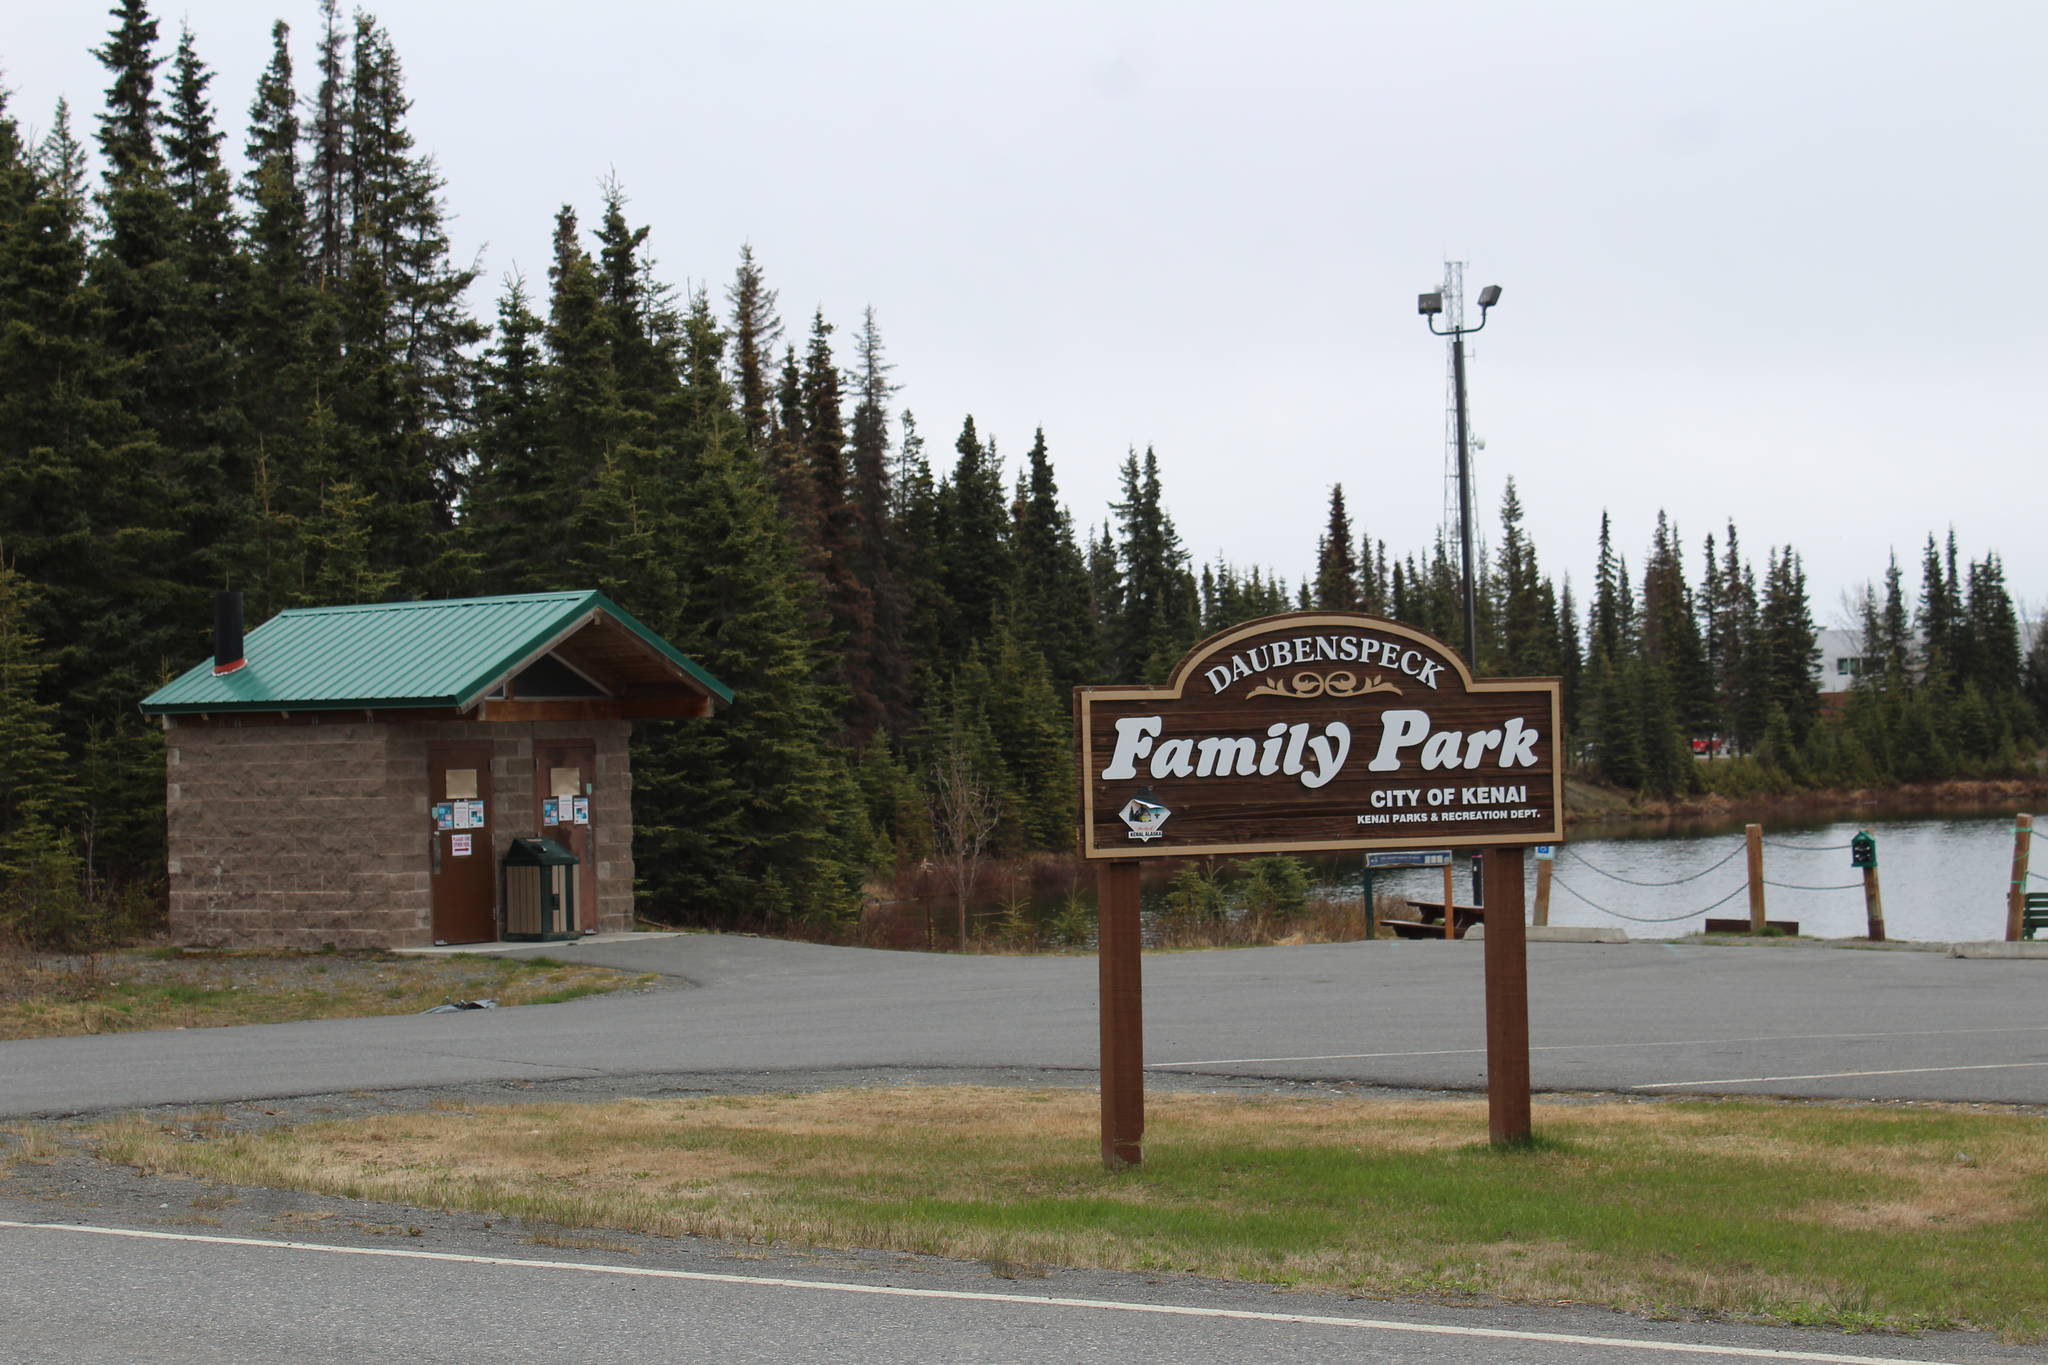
(1453, 318)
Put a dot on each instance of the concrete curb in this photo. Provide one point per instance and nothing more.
(501, 947)
(1565, 933)
(1995, 948)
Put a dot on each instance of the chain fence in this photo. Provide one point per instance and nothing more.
(1645, 919)
(1580, 859)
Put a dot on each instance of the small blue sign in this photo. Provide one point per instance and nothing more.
(1432, 857)
(1546, 852)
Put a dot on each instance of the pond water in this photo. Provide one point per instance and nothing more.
(1943, 877)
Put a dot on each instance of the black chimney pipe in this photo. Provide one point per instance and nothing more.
(227, 632)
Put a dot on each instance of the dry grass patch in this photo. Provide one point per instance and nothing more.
(1855, 1217)
(158, 988)
(26, 1143)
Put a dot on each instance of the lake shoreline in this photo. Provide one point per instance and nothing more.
(1590, 809)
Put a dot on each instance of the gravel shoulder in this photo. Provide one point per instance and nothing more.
(60, 1182)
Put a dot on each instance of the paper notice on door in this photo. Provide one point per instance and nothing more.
(459, 844)
(444, 816)
(565, 781)
(462, 784)
(582, 810)
(551, 811)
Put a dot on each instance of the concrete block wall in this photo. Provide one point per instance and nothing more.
(302, 835)
(285, 836)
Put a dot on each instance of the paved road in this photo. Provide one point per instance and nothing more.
(1645, 1018)
(75, 1293)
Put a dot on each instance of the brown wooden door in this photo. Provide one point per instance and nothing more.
(553, 762)
(465, 874)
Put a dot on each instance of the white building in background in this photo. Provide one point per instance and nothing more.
(1839, 658)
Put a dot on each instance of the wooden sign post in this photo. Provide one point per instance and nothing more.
(1312, 732)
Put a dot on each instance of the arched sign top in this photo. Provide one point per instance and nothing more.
(1318, 731)
(1321, 635)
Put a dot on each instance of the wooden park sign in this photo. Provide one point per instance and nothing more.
(1315, 732)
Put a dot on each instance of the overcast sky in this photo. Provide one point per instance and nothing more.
(1761, 261)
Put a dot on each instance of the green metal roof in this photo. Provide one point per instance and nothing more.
(401, 654)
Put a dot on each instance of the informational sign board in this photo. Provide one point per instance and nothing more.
(1420, 857)
(1318, 731)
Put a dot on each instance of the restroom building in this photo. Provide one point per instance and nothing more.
(355, 775)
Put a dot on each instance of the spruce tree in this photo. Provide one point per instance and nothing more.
(1670, 632)
(1527, 610)
(39, 788)
(976, 563)
(1337, 578)
(206, 427)
(1158, 620)
(283, 367)
(1785, 641)
(755, 330)
(83, 516)
(848, 598)
(735, 816)
(328, 154)
(406, 372)
(515, 490)
(1894, 636)
(876, 552)
(1052, 579)
(1571, 659)
(915, 518)
(585, 417)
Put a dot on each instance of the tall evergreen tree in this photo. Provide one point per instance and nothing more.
(406, 332)
(1670, 632)
(848, 598)
(328, 153)
(735, 817)
(1527, 611)
(976, 565)
(876, 555)
(1337, 579)
(1052, 579)
(206, 426)
(515, 491)
(755, 330)
(1158, 620)
(1785, 641)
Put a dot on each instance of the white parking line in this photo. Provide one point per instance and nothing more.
(1840, 1075)
(978, 1296)
(1596, 1047)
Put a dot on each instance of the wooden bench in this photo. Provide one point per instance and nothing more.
(2034, 913)
(1428, 921)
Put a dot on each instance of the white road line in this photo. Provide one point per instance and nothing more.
(978, 1296)
(1839, 1075)
(1595, 1047)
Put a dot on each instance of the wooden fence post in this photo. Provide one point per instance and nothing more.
(1118, 952)
(1755, 835)
(1542, 891)
(1450, 893)
(2016, 897)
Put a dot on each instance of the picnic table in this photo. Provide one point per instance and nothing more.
(1428, 920)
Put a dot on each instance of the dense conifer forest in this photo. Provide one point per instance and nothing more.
(270, 377)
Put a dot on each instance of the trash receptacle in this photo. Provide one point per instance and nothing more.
(537, 885)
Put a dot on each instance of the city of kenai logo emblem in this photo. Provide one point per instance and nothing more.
(1144, 816)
